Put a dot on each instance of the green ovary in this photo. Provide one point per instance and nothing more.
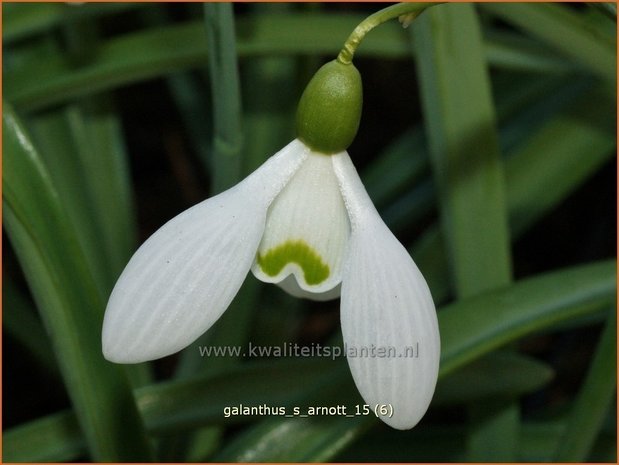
(314, 269)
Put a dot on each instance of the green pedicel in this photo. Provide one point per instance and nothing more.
(330, 108)
(314, 270)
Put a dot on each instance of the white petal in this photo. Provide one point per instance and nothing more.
(185, 275)
(386, 303)
(306, 232)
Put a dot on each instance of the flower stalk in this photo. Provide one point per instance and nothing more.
(409, 10)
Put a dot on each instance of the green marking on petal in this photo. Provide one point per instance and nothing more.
(314, 269)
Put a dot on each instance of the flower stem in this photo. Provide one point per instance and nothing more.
(409, 10)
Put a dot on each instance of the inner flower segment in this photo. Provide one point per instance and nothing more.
(306, 233)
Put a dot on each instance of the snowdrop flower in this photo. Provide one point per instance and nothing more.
(304, 221)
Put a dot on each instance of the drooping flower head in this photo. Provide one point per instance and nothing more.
(304, 221)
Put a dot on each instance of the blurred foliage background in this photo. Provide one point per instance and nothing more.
(487, 142)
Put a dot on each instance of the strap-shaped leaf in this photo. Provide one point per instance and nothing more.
(68, 299)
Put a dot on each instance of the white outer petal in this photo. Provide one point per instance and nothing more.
(185, 275)
(386, 303)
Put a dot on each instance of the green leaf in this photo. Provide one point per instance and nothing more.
(180, 405)
(594, 399)
(194, 104)
(174, 48)
(268, 122)
(21, 21)
(20, 322)
(67, 297)
(523, 105)
(400, 165)
(464, 150)
(60, 154)
(608, 8)
(316, 439)
(518, 53)
(82, 148)
(411, 207)
(101, 152)
(575, 144)
(566, 30)
(502, 316)
(497, 375)
(531, 109)
(310, 437)
(453, 76)
(446, 443)
(183, 404)
(54, 438)
(102, 164)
